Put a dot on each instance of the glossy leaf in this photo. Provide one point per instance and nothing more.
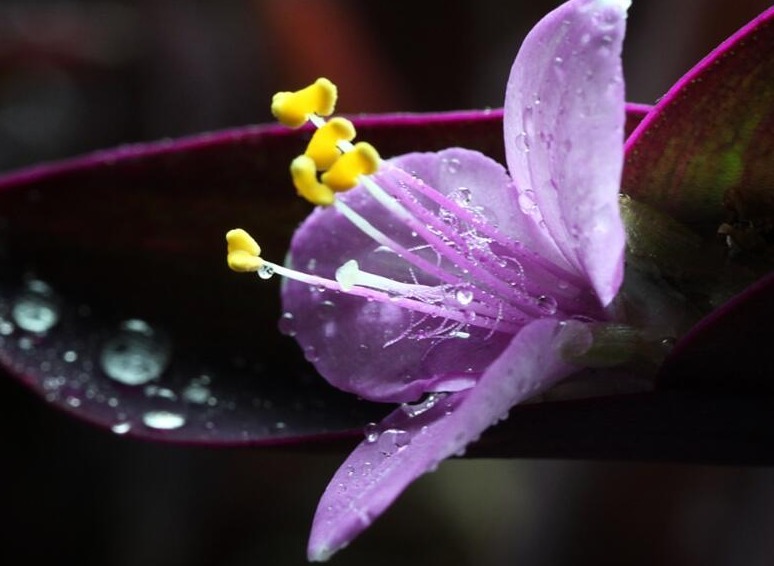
(704, 154)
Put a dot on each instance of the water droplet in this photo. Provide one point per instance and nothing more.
(371, 432)
(527, 202)
(523, 142)
(265, 272)
(462, 196)
(327, 310)
(163, 392)
(447, 217)
(135, 355)
(36, 309)
(121, 428)
(70, 356)
(558, 60)
(464, 296)
(452, 164)
(310, 353)
(547, 304)
(163, 420)
(6, 327)
(196, 393)
(351, 471)
(74, 402)
(417, 409)
(668, 342)
(287, 324)
(392, 440)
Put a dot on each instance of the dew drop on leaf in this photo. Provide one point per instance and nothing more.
(36, 309)
(121, 428)
(371, 432)
(136, 354)
(163, 420)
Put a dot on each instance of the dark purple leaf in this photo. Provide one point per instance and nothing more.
(113, 264)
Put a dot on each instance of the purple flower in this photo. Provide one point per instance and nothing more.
(444, 281)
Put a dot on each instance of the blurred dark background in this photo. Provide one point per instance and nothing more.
(76, 76)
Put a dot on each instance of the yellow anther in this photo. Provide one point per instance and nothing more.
(343, 175)
(244, 253)
(293, 108)
(322, 147)
(304, 174)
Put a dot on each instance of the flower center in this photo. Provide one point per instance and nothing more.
(460, 267)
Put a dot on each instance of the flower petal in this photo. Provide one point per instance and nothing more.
(412, 441)
(564, 128)
(381, 351)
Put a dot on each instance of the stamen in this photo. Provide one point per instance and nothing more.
(347, 170)
(324, 148)
(243, 252)
(353, 288)
(244, 256)
(293, 109)
(304, 174)
(350, 274)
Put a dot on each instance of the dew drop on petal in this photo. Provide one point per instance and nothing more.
(527, 202)
(452, 165)
(464, 296)
(36, 309)
(311, 354)
(414, 410)
(326, 310)
(547, 304)
(135, 355)
(461, 196)
(393, 439)
(371, 432)
(163, 420)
